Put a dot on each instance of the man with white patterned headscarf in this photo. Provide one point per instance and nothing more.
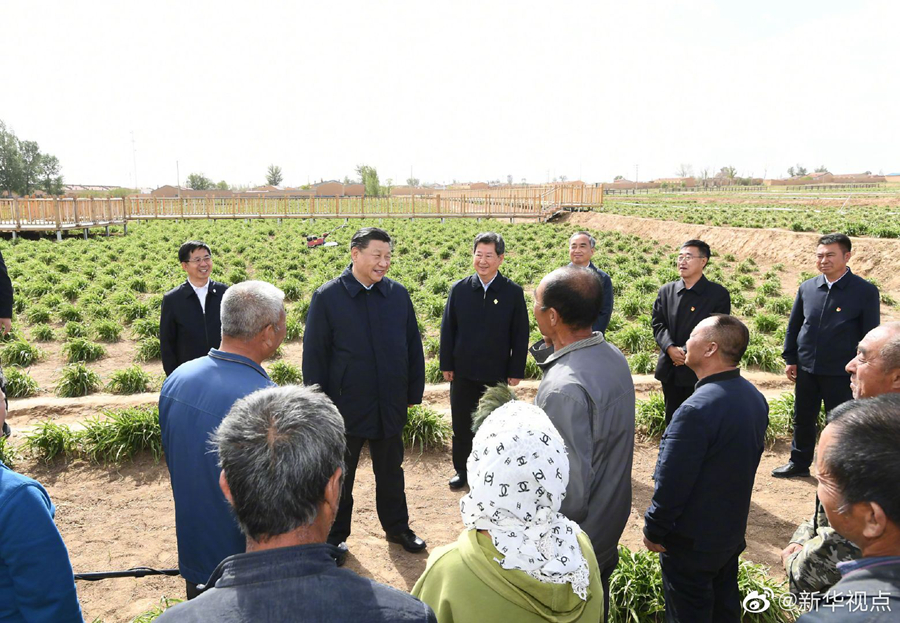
(519, 558)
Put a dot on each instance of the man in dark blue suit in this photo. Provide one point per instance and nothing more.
(581, 250)
(189, 322)
(704, 477)
(363, 348)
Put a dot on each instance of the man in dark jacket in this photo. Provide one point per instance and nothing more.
(363, 348)
(679, 307)
(857, 470)
(581, 250)
(6, 308)
(484, 341)
(831, 314)
(189, 322)
(704, 478)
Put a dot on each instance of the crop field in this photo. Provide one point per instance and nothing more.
(86, 322)
(78, 300)
(862, 216)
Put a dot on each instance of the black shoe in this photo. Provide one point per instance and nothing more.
(458, 482)
(341, 556)
(408, 540)
(791, 470)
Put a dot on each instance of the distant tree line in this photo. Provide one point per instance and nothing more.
(24, 169)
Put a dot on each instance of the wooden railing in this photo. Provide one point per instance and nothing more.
(57, 214)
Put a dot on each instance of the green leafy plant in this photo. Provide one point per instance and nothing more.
(69, 313)
(42, 333)
(433, 372)
(20, 353)
(80, 349)
(148, 349)
(77, 380)
(74, 329)
(49, 440)
(151, 615)
(37, 314)
(285, 373)
(121, 434)
(19, 383)
(131, 380)
(107, 330)
(642, 363)
(8, 453)
(425, 428)
(650, 415)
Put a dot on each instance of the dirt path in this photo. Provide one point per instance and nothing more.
(117, 518)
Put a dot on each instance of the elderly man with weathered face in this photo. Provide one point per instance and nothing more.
(858, 471)
(812, 556)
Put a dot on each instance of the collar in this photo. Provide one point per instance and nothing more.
(840, 283)
(222, 355)
(850, 566)
(552, 356)
(189, 288)
(251, 567)
(354, 287)
(475, 282)
(698, 287)
(719, 376)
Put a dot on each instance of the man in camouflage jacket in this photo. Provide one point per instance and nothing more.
(811, 558)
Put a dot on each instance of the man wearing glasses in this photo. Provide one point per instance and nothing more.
(679, 307)
(189, 323)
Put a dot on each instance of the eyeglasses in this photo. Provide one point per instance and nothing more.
(199, 260)
(687, 257)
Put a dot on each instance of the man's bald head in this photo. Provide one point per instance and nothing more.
(876, 368)
(575, 293)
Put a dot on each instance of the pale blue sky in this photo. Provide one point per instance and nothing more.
(457, 90)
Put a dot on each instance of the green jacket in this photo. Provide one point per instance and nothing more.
(463, 583)
(813, 569)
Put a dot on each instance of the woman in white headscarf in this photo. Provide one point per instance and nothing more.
(519, 559)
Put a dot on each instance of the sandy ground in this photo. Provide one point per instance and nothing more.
(122, 517)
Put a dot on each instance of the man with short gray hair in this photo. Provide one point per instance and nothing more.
(192, 403)
(281, 452)
(581, 250)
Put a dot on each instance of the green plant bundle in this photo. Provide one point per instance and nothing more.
(131, 380)
(49, 440)
(148, 349)
(650, 416)
(80, 349)
(154, 613)
(19, 383)
(107, 330)
(77, 380)
(20, 353)
(8, 453)
(425, 428)
(122, 434)
(285, 373)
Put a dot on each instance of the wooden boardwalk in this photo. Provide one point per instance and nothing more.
(62, 214)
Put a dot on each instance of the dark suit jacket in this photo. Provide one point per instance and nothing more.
(363, 348)
(707, 463)
(185, 332)
(606, 308)
(826, 326)
(6, 291)
(705, 298)
(484, 335)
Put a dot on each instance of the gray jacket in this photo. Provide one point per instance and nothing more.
(588, 394)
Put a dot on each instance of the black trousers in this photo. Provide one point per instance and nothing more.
(390, 488)
(605, 574)
(701, 587)
(675, 395)
(464, 397)
(191, 590)
(811, 390)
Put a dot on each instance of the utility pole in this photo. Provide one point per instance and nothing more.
(134, 158)
(635, 176)
(178, 178)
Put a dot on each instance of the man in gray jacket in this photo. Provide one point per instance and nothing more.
(588, 394)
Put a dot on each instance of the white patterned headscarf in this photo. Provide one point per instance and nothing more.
(518, 473)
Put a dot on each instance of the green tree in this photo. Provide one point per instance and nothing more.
(273, 175)
(797, 171)
(729, 172)
(198, 181)
(412, 181)
(822, 169)
(618, 178)
(51, 180)
(31, 165)
(10, 161)
(223, 185)
(369, 177)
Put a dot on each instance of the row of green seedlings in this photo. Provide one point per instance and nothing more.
(650, 417)
(636, 593)
(121, 434)
(636, 590)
